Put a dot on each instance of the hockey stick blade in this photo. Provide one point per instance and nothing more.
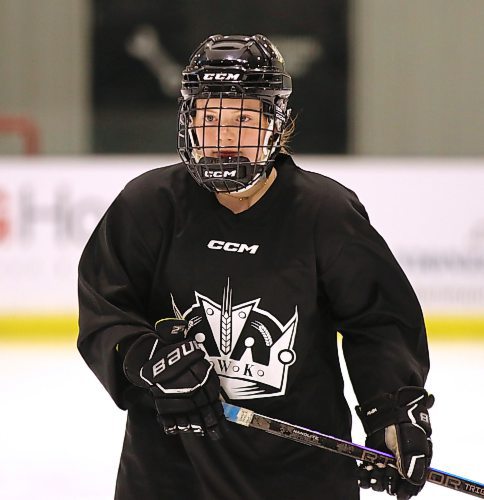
(248, 418)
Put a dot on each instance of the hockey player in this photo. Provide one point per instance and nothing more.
(229, 275)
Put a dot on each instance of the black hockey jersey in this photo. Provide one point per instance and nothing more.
(265, 292)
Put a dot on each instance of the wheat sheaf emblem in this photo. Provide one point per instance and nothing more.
(262, 329)
(226, 321)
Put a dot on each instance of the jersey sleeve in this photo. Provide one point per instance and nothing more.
(372, 305)
(115, 275)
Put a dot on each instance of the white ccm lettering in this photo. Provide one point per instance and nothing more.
(219, 173)
(230, 246)
(221, 76)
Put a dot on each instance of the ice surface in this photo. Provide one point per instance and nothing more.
(61, 435)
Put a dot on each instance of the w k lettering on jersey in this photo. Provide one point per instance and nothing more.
(264, 292)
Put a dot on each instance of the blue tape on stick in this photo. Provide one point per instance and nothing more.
(231, 412)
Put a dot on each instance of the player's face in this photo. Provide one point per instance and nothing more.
(230, 127)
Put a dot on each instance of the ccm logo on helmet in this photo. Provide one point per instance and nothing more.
(221, 76)
(230, 246)
(219, 173)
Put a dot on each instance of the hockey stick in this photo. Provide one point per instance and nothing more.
(248, 418)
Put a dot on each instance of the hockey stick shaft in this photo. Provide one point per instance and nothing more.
(248, 418)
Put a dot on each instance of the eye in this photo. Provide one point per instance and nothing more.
(245, 118)
(210, 118)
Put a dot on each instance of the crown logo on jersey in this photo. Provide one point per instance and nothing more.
(250, 349)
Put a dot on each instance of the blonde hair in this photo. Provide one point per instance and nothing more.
(287, 136)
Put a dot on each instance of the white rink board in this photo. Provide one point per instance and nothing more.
(51, 206)
(431, 212)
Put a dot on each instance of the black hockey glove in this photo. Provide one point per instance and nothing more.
(181, 379)
(398, 424)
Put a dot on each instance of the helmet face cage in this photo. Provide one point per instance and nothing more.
(232, 114)
(236, 164)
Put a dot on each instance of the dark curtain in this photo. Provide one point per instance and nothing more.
(139, 48)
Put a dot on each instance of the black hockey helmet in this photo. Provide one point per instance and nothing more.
(242, 78)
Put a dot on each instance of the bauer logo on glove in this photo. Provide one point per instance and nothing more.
(173, 357)
(182, 381)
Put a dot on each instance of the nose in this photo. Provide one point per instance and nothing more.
(227, 135)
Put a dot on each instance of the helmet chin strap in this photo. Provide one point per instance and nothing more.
(258, 178)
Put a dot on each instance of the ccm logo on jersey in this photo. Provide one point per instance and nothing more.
(230, 246)
(221, 76)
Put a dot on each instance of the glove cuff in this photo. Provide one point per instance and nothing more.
(139, 351)
(408, 404)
